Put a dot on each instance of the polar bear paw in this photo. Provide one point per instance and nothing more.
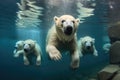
(81, 55)
(55, 55)
(26, 62)
(38, 62)
(95, 53)
(75, 64)
(16, 55)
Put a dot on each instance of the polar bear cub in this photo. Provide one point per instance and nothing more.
(86, 45)
(18, 47)
(28, 47)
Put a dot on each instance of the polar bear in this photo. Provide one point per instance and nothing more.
(86, 45)
(63, 35)
(18, 47)
(30, 46)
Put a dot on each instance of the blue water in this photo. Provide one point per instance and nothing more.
(14, 69)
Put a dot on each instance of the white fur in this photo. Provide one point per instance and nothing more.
(82, 45)
(19, 48)
(36, 50)
(57, 38)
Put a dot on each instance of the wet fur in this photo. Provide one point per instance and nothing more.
(57, 39)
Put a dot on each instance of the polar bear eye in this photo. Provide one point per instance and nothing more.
(73, 22)
(63, 21)
(29, 44)
(85, 41)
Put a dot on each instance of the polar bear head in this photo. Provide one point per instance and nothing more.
(87, 42)
(29, 45)
(66, 24)
(19, 45)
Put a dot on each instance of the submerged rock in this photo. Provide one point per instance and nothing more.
(115, 53)
(108, 72)
(114, 32)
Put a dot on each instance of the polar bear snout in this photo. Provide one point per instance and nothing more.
(26, 50)
(68, 26)
(88, 45)
(26, 47)
(68, 30)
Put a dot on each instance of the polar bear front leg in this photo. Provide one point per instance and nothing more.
(15, 51)
(17, 54)
(80, 49)
(38, 60)
(53, 52)
(80, 53)
(38, 54)
(25, 59)
(75, 59)
(95, 53)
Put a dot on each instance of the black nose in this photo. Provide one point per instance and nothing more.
(88, 47)
(25, 50)
(68, 30)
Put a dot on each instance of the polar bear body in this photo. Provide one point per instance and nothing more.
(30, 46)
(63, 35)
(18, 47)
(86, 45)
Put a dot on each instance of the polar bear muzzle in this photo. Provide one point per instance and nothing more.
(88, 45)
(68, 30)
(68, 26)
(27, 47)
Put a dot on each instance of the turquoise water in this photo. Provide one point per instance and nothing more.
(14, 69)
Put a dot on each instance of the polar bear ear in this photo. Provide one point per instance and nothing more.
(35, 41)
(81, 39)
(78, 20)
(93, 40)
(22, 41)
(55, 18)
